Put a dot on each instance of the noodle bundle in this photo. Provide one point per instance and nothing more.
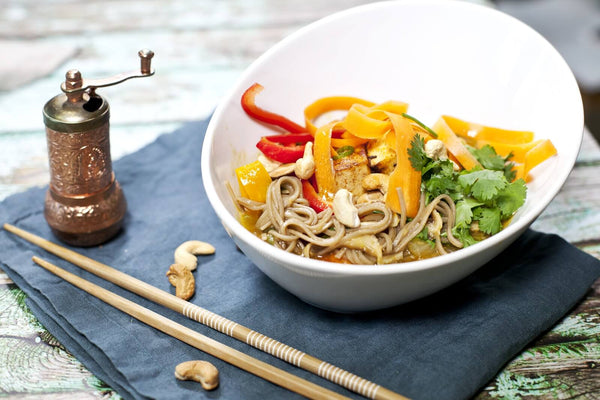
(289, 223)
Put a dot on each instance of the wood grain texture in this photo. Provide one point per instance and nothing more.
(564, 363)
(201, 49)
(33, 363)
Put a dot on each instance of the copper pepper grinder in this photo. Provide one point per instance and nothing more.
(84, 204)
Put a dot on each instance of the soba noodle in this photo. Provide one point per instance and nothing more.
(289, 223)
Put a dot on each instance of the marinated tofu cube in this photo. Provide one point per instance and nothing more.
(382, 158)
(350, 171)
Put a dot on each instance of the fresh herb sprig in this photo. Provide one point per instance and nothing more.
(344, 151)
(487, 194)
(422, 125)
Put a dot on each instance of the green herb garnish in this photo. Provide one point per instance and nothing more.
(486, 195)
(344, 151)
(489, 159)
(422, 125)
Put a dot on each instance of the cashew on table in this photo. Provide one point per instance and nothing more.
(186, 253)
(198, 371)
(183, 280)
(180, 273)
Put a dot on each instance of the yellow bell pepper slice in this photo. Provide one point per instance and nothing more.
(254, 181)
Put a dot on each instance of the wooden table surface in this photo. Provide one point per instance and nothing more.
(201, 47)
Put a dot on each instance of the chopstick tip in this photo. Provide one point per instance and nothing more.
(42, 263)
(39, 261)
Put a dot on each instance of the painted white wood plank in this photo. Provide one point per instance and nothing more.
(31, 19)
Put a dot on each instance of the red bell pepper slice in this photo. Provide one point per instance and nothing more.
(249, 105)
(278, 152)
(337, 132)
(285, 148)
(316, 202)
(291, 138)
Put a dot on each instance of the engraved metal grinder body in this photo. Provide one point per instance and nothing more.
(84, 204)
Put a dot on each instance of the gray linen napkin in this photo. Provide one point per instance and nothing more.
(446, 346)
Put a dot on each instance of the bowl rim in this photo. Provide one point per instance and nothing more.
(234, 227)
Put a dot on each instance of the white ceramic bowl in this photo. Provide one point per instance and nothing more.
(442, 57)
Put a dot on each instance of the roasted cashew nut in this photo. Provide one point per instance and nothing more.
(305, 166)
(344, 209)
(268, 163)
(198, 371)
(275, 168)
(283, 169)
(186, 253)
(183, 280)
(436, 150)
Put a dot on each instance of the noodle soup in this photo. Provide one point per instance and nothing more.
(378, 186)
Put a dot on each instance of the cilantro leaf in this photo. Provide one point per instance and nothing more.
(488, 157)
(440, 183)
(483, 184)
(416, 153)
(511, 198)
(443, 167)
(464, 211)
(509, 169)
(463, 233)
(424, 234)
(439, 177)
(486, 195)
(509, 172)
(489, 219)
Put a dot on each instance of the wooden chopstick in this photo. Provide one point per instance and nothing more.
(195, 339)
(275, 348)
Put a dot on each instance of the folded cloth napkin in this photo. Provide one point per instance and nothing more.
(446, 346)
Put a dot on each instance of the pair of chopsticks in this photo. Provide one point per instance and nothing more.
(259, 368)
